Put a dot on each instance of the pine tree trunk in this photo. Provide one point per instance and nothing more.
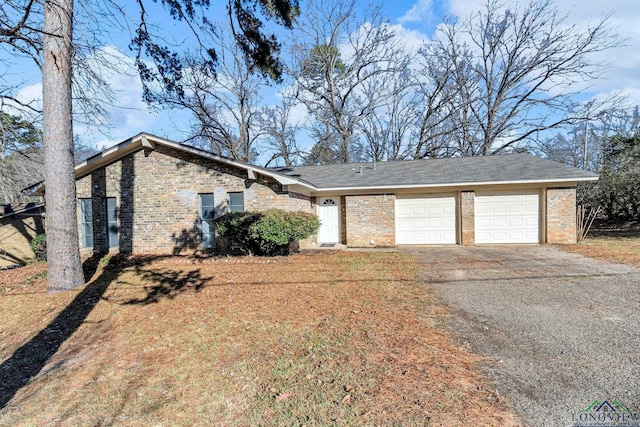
(64, 270)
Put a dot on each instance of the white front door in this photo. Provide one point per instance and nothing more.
(329, 215)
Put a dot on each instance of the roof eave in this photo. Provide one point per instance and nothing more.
(566, 181)
(144, 140)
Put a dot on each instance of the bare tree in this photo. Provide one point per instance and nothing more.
(516, 71)
(279, 133)
(387, 130)
(335, 53)
(584, 144)
(223, 102)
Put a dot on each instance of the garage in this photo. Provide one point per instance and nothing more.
(507, 217)
(425, 219)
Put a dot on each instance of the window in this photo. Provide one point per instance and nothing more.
(206, 214)
(236, 202)
(112, 222)
(86, 223)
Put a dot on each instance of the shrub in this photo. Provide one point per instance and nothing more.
(39, 247)
(266, 233)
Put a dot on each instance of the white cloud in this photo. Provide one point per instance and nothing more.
(31, 95)
(621, 74)
(126, 114)
(420, 11)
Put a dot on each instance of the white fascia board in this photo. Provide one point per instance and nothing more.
(572, 181)
(107, 156)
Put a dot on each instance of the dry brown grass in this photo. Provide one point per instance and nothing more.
(615, 246)
(314, 339)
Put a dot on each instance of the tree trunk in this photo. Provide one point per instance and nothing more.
(64, 270)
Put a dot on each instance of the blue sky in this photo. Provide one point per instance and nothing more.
(416, 19)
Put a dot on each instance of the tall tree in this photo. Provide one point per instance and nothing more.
(387, 130)
(64, 270)
(336, 52)
(21, 32)
(279, 133)
(223, 102)
(516, 71)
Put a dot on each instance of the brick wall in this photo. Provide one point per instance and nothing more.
(466, 203)
(561, 215)
(370, 217)
(157, 191)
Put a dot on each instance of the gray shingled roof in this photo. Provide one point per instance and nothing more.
(432, 172)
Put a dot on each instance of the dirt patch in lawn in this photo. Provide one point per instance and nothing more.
(314, 339)
(620, 246)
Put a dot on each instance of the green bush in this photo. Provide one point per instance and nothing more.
(266, 233)
(39, 247)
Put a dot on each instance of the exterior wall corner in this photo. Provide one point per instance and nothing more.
(561, 215)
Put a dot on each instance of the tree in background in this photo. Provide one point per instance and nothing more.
(280, 133)
(223, 102)
(337, 55)
(618, 190)
(514, 71)
(20, 157)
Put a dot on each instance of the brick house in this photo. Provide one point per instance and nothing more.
(149, 194)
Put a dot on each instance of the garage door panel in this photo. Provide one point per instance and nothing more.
(507, 217)
(426, 219)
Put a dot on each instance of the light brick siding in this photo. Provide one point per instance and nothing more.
(370, 217)
(561, 215)
(466, 203)
(343, 220)
(157, 191)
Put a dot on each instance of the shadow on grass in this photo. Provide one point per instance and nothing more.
(167, 284)
(28, 360)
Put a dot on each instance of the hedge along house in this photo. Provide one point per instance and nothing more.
(149, 194)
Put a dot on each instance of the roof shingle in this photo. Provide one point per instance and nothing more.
(516, 168)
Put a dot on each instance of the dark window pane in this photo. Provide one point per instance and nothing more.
(112, 222)
(236, 202)
(206, 214)
(86, 219)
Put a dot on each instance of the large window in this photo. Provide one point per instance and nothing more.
(86, 223)
(236, 202)
(206, 214)
(112, 222)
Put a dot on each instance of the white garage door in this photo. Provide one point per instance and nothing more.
(426, 219)
(507, 217)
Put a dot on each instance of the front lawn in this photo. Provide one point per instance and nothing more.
(621, 246)
(316, 339)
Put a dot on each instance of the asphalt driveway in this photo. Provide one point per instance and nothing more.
(561, 332)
